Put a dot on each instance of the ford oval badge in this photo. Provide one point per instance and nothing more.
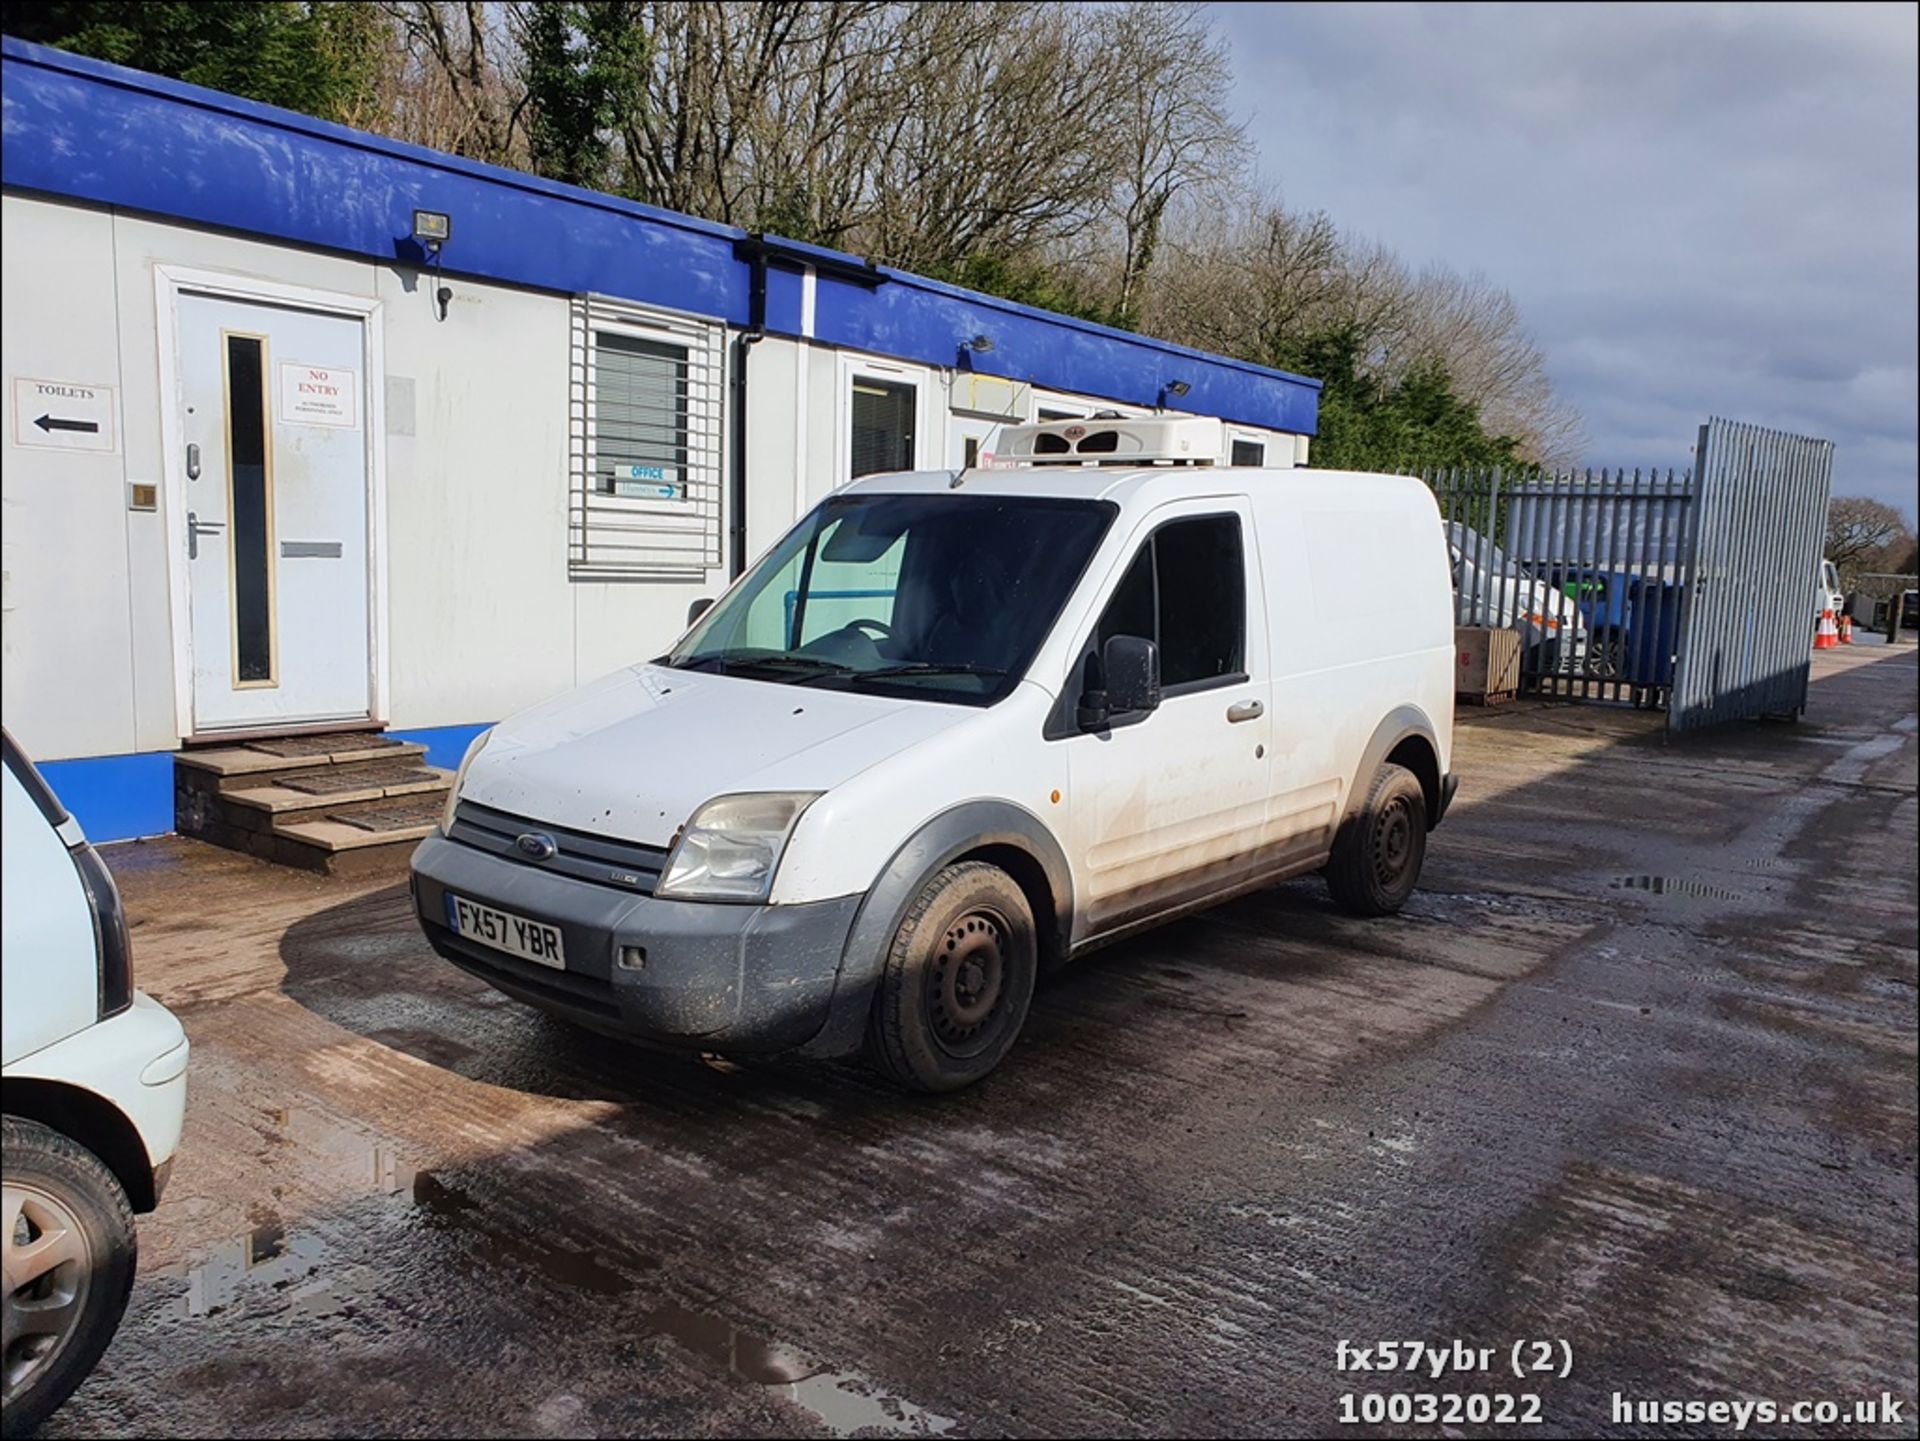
(537, 846)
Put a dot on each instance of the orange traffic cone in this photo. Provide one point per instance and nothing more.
(1846, 630)
(1828, 636)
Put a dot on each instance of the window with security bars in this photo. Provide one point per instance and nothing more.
(882, 426)
(645, 439)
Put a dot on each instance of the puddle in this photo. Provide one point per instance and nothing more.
(841, 1401)
(265, 1257)
(1677, 886)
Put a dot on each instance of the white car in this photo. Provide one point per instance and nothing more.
(94, 1093)
(1493, 591)
(954, 728)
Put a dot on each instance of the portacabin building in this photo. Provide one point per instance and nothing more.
(312, 431)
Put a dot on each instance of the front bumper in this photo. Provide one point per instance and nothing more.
(720, 977)
(136, 1061)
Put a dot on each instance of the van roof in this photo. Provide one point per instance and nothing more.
(1129, 486)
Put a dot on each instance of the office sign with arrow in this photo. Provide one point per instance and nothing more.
(63, 415)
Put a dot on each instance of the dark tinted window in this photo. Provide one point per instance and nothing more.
(1131, 611)
(882, 426)
(1249, 452)
(250, 506)
(1203, 599)
(1187, 592)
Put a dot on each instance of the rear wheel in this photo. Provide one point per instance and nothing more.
(69, 1244)
(1376, 861)
(958, 980)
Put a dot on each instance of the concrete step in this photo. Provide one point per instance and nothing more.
(270, 802)
(355, 842)
(235, 763)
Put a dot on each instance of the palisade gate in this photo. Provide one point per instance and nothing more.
(1690, 590)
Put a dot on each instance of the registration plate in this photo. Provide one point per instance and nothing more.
(534, 941)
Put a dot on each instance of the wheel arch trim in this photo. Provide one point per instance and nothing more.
(91, 1120)
(993, 830)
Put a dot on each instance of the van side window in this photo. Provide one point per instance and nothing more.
(1187, 592)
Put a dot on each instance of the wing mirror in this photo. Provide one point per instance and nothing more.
(1128, 682)
(699, 608)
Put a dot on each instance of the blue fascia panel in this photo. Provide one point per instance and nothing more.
(446, 745)
(101, 133)
(116, 798)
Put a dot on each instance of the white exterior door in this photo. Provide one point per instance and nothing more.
(1171, 807)
(968, 439)
(273, 415)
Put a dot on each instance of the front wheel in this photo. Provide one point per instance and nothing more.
(69, 1245)
(1376, 860)
(958, 980)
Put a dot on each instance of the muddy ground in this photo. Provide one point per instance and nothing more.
(1636, 1072)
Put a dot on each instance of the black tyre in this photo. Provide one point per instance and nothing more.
(1377, 857)
(70, 1252)
(958, 980)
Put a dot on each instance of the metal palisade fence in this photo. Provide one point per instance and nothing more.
(1590, 566)
(1684, 589)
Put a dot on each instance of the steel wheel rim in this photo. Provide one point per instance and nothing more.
(1392, 842)
(48, 1273)
(967, 982)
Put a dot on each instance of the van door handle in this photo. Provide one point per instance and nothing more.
(1245, 710)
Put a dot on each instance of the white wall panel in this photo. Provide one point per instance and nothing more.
(65, 618)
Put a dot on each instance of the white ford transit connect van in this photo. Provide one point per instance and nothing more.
(955, 728)
(95, 1091)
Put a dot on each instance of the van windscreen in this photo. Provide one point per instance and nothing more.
(932, 597)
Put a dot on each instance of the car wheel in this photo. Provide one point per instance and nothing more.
(1377, 857)
(70, 1252)
(1607, 655)
(958, 980)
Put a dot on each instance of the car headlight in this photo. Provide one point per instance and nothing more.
(478, 744)
(731, 848)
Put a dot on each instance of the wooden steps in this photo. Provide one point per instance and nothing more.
(343, 804)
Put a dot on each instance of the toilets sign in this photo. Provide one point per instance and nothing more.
(63, 415)
(319, 395)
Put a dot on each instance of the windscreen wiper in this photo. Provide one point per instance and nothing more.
(737, 661)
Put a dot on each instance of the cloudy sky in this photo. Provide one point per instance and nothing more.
(1700, 209)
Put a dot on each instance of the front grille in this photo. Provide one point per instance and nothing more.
(618, 865)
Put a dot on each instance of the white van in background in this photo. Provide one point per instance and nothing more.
(957, 727)
(1492, 590)
(1827, 595)
(95, 1088)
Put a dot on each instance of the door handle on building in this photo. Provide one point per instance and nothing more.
(197, 528)
(1245, 710)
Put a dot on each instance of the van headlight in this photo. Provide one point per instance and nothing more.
(731, 848)
(478, 744)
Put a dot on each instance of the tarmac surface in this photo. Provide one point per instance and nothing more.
(1635, 1072)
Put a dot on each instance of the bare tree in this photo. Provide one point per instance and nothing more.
(452, 81)
(1174, 134)
(1865, 535)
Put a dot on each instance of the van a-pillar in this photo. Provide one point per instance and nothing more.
(760, 251)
